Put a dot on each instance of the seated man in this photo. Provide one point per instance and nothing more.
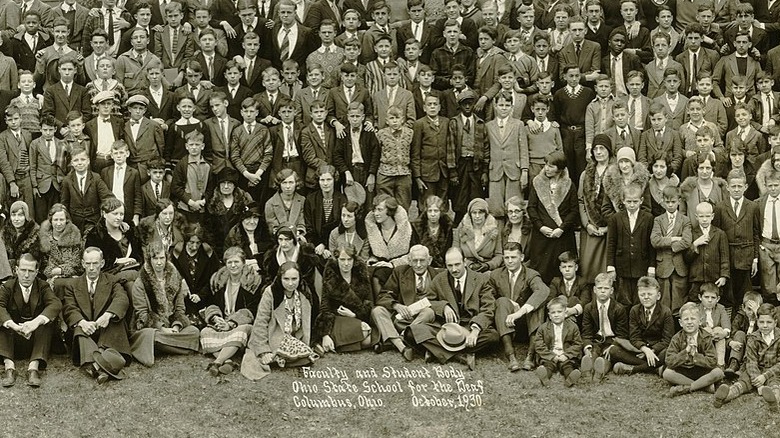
(464, 300)
(405, 286)
(27, 306)
(94, 309)
(519, 292)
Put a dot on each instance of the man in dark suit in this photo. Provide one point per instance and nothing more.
(253, 65)
(155, 189)
(603, 321)
(321, 10)
(83, 191)
(212, 64)
(337, 101)
(27, 307)
(77, 15)
(219, 129)
(463, 297)
(419, 29)
(705, 62)
(142, 13)
(24, 46)
(431, 157)
(94, 309)
(65, 96)
(616, 57)
(234, 90)
(100, 154)
(581, 52)
(520, 292)
(406, 286)
(287, 143)
(289, 40)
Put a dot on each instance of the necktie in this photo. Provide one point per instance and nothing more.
(349, 95)
(110, 27)
(694, 73)
(336, 13)
(233, 92)
(321, 132)
(82, 185)
(174, 40)
(659, 137)
(157, 191)
(736, 208)
(512, 58)
(603, 320)
(648, 314)
(391, 96)
(623, 135)
(250, 63)
(225, 132)
(139, 58)
(249, 128)
(91, 289)
(315, 94)
(458, 291)
(285, 47)
(542, 67)
(67, 89)
(24, 9)
(710, 322)
(420, 283)
(210, 66)
(18, 137)
(577, 48)
(105, 85)
(290, 140)
(741, 133)
(775, 235)
(467, 126)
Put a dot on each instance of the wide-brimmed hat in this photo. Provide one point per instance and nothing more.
(112, 362)
(356, 193)
(227, 174)
(452, 336)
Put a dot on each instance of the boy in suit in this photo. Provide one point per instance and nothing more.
(161, 101)
(193, 181)
(661, 68)
(124, 181)
(508, 173)
(745, 135)
(291, 85)
(235, 92)
(380, 14)
(357, 167)
(695, 60)
(451, 53)
(731, 65)
(622, 134)
(580, 52)
(621, 61)
(156, 188)
(708, 255)
(393, 94)
(629, 253)
(432, 156)
(672, 100)
(142, 13)
(339, 98)
(571, 103)
(26, 44)
(468, 137)
(286, 142)
(15, 146)
(48, 166)
(739, 218)
(540, 137)
(145, 138)
(172, 45)
(250, 150)
(690, 357)
(313, 91)
(252, 64)
(201, 19)
(193, 87)
(638, 104)
(558, 344)
(64, 96)
(268, 100)
(317, 143)
(83, 191)
(110, 126)
(220, 128)
(98, 41)
(715, 320)
(639, 44)
(650, 329)
(765, 105)
(109, 12)
(418, 29)
(769, 211)
(570, 286)
(603, 321)
(661, 139)
(739, 88)
(212, 64)
(714, 111)
(670, 237)
(422, 89)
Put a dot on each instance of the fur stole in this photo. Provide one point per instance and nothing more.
(69, 238)
(466, 231)
(241, 199)
(162, 301)
(398, 246)
(551, 197)
(26, 241)
(436, 244)
(761, 175)
(592, 194)
(357, 296)
(613, 182)
(689, 185)
(655, 190)
(250, 280)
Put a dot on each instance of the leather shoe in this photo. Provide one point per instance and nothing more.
(213, 369)
(102, 378)
(429, 358)
(514, 365)
(541, 373)
(33, 378)
(732, 371)
(226, 368)
(600, 368)
(528, 364)
(573, 379)
(408, 353)
(10, 378)
(586, 365)
(471, 361)
(379, 348)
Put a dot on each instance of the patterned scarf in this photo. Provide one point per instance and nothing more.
(292, 307)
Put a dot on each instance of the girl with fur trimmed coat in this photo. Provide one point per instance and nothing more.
(479, 238)
(61, 245)
(20, 233)
(161, 324)
(347, 300)
(165, 226)
(705, 187)
(230, 311)
(623, 172)
(554, 213)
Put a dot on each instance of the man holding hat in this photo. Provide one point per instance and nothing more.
(469, 177)
(144, 137)
(104, 130)
(464, 303)
(94, 310)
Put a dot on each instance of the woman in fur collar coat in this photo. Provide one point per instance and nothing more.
(434, 230)
(705, 187)
(165, 226)
(389, 235)
(161, 324)
(593, 237)
(61, 245)
(554, 213)
(345, 315)
(479, 237)
(20, 233)
(626, 170)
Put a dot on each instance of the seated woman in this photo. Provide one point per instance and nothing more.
(434, 230)
(321, 210)
(250, 234)
(479, 238)
(389, 237)
(161, 324)
(61, 246)
(348, 232)
(196, 262)
(230, 311)
(20, 233)
(105, 82)
(117, 240)
(226, 206)
(282, 329)
(517, 227)
(347, 300)
(289, 249)
(165, 226)
(285, 208)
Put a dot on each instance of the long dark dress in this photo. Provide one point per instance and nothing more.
(542, 251)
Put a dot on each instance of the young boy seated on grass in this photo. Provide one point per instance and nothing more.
(762, 363)
(650, 328)
(558, 345)
(714, 319)
(690, 358)
(570, 286)
(603, 321)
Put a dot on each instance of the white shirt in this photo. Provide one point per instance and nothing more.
(637, 119)
(558, 339)
(672, 101)
(156, 95)
(417, 29)
(31, 40)
(607, 325)
(766, 231)
(357, 154)
(632, 220)
(768, 338)
(617, 74)
(462, 281)
(766, 106)
(290, 151)
(705, 231)
(513, 278)
(51, 145)
(105, 136)
(292, 36)
(733, 204)
(118, 187)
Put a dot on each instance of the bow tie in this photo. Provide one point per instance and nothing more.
(357, 130)
(106, 120)
(135, 122)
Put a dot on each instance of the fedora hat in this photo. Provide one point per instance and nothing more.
(111, 362)
(355, 193)
(452, 336)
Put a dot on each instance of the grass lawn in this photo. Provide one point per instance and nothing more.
(178, 398)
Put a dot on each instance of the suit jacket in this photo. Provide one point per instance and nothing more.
(712, 260)
(754, 143)
(58, 104)
(219, 150)
(773, 65)
(219, 69)
(758, 37)
(202, 109)
(403, 99)
(255, 81)
(430, 39)
(131, 188)
(42, 302)
(149, 199)
(9, 153)
(277, 215)
(264, 104)
(432, 155)
(279, 162)
(94, 23)
(369, 149)
(173, 57)
(505, 152)
(320, 10)
(307, 41)
(669, 255)
(303, 101)
(481, 144)
(317, 228)
(703, 63)
(677, 356)
(588, 61)
(743, 232)
(401, 287)
(87, 204)
(630, 252)
(655, 78)
(336, 104)
(726, 69)
(477, 302)
(579, 295)
(755, 104)
(47, 171)
(234, 103)
(719, 317)
(165, 110)
(630, 62)
(715, 112)
(678, 116)
(618, 321)
(149, 144)
(643, 106)
(486, 72)
(315, 153)
(654, 333)
(76, 39)
(219, 34)
(132, 73)
(21, 52)
(632, 139)
(671, 146)
(544, 341)
(125, 44)
(91, 129)
(529, 289)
